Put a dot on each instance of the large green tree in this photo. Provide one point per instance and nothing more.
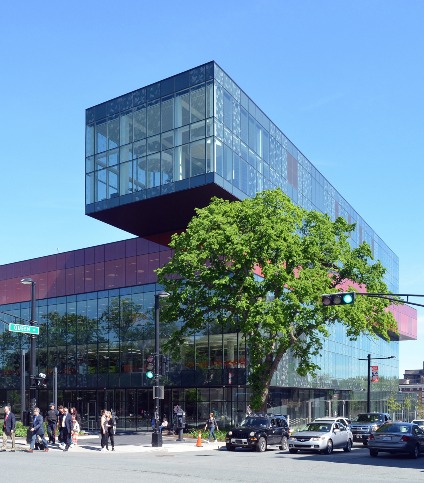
(298, 254)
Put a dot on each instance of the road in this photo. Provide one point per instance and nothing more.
(207, 464)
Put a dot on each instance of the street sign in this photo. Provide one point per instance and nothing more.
(24, 329)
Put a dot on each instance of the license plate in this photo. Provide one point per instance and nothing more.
(386, 438)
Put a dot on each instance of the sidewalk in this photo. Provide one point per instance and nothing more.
(132, 443)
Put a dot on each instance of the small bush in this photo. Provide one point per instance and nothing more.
(20, 429)
(220, 435)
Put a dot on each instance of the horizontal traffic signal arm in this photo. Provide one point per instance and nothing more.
(337, 298)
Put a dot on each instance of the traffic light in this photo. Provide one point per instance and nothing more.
(339, 298)
(150, 365)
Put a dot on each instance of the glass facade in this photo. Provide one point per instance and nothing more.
(95, 305)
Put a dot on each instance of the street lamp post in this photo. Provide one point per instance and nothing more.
(33, 349)
(369, 377)
(157, 435)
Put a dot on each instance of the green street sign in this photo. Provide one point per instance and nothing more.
(24, 329)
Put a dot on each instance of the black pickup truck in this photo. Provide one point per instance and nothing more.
(365, 424)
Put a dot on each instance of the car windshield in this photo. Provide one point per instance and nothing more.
(394, 428)
(256, 422)
(368, 418)
(420, 422)
(319, 427)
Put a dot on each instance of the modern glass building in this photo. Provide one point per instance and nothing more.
(152, 157)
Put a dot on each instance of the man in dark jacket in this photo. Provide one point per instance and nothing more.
(9, 426)
(66, 428)
(52, 415)
(37, 429)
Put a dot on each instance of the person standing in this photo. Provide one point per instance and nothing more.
(37, 429)
(9, 426)
(66, 429)
(212, 425)
(104, 422)
(52, 417)
(75, 431)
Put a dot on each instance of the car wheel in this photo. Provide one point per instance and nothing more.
(329, 448)
(416, 452)
(292, 451)
(348, 446)
(261, 446)
(284, 444)
(373, 452)
(230, 447)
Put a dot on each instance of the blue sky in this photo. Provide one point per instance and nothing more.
(342, 79)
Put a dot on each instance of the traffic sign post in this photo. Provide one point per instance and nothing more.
(24, 329)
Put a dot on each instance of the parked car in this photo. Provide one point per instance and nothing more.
(365, 424)
(258, 432)
(418, 422)
(336, 419)
(397, 438)
(322, 437)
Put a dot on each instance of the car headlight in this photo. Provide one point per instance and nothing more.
(252, 433)
(374, 427)
(292, 438)
(230, 433)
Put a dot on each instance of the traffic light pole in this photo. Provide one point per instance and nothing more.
(369, 377)
(33, 356)
(157, 435)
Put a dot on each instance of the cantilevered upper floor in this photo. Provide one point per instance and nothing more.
(155, 154)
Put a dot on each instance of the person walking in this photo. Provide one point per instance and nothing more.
(66, 429)
(60, 417)
(212, 425)
(52, 418)
(9, 426)
(37, 429)
(75, 431)
(104, 422)
(111, 429)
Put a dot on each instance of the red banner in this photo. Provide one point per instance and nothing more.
(374, 373)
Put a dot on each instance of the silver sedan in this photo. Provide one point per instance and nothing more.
(321, 437)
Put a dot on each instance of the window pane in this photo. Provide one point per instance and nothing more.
(182, 162)
(153, 144)
(167, 114)
(101, 137)
(125, 178)
(153, 170)
(182, 109)
(113, 133)
(139, 121)
(182, 135)
(197, 151)
(197, 104)
(167, 166)
(153, 119)
(140, 168)
(209, 155)
(127, 128)
(167, 140)
(219, 158)
(197, 131)
(113, 157)
(228, 111)
(140, 149)
(89, 140)
(126, 153)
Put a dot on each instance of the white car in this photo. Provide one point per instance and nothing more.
(419, 423)
(336, 419)
(322, 437)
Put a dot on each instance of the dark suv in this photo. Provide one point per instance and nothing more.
(366, 423)
(258, 431)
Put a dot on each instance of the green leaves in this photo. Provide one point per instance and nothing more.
(262, 264)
